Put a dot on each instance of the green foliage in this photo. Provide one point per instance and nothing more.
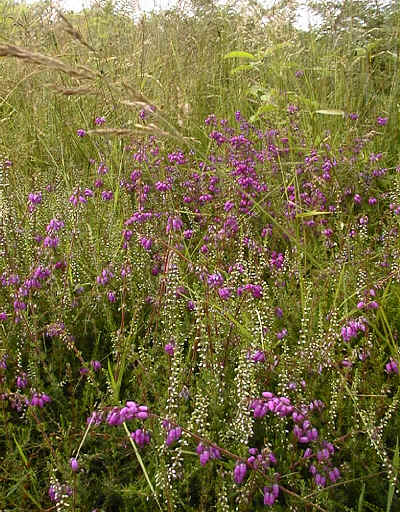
(214, 60)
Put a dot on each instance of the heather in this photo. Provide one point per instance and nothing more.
(199, 278)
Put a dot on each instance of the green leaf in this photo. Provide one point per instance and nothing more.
(16, 486)
(266, 98)
(240, 55)
(312, 213)
(393, 479)
(262, 110)
(330, 112)
(280, 46)
(361, 499)
(255, 90)
(140, 460)
(113, 384)
(242, 67)
(23, 457)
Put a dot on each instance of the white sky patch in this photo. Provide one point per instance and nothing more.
(305, 18)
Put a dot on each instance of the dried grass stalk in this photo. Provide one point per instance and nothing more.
(141, 130)
(74, 33)
(150, 129)
(73, 91)
(82, 72)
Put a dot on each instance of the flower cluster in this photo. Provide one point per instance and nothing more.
(207, 453)
(119, 415)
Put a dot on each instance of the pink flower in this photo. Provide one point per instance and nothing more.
(74, 464)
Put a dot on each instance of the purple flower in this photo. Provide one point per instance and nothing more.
(392, 366)
(74, 464)
(178, 157)
(127, 234)
(54, 225)
(207, 453)
(352, 329)
(215, 279)
(107, 195)
(307, 453)
(52, 492)
(174, 224)
(141, 437)
(292, 109)
(19, 305)
(280, 335)
(228, 205)
(320, 480)
(102, 169)
(39, 399)
(169, 349)
(96, 365)
(35, 198)
(131, 410)
(114, 418)
(146, 243)
(95, 418)
(218, 137)
(188, 233)
(204, 457)
(99, 121)
(382, 121)
(104, 277)
(327, 232)
(239, 472)
(22, 381)
(142, 412)
(81, 133)
(334, 475)
(271, 494)
(173, 435)
(258, 356)
(256, 291)
(346, 363)
(224, 293)
(51, 242)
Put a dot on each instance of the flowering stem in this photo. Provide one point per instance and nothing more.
(84, 437)
(231, 455)
(337, 484)
(139, 458)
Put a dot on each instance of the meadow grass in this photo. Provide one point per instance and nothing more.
(199, 277)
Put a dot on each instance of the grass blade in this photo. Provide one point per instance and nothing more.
(140, 460)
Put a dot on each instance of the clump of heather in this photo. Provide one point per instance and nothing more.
(189, 325)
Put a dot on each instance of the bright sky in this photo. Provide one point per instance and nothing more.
(304, 16)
